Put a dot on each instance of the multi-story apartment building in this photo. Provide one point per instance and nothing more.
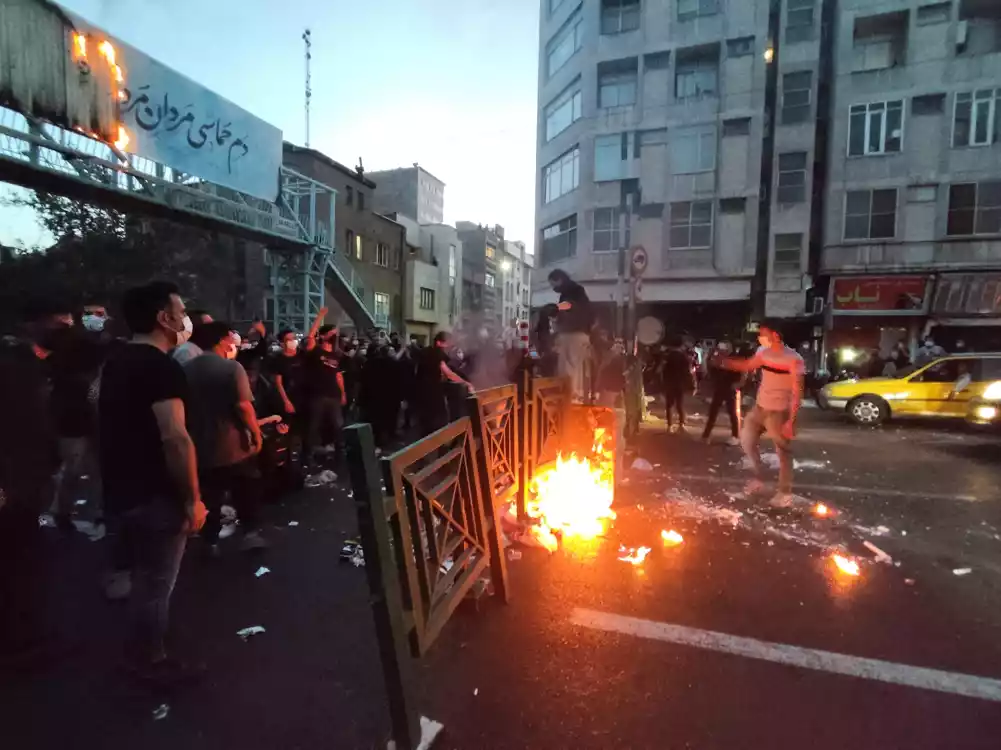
(912, 223)
(515, 282)
(653, 132)
(480, 270)
(411, 191)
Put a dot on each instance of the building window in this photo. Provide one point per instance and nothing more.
(975, 208)
(975, 121)
(737, 126)
(559, 240)
(788, 251)
(799, 20)
(792, 177)
(936, 13)
(349, 195)
(696, 78)
(564, 110)
(561, 176)
(358, 246)
(490, 252)
(427, 298)
(619, 16)
(605, 236)
(611, 153)
(361, 201)
(349, 242)
(382, 255)
(693, 150)
(732, 205)
(396, 259)
(565, 43)
(875, 128)
(870, 214)
(694, 8)
(554, 5)
(490, 280)
(797, 91)
(452, 270)
(928, 104)
(879, 42)
(617, 89)
(381, 309)
(691, 225)
(740, 47)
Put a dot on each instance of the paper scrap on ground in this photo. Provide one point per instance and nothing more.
(430, 729)
(262, 571)
(881, 556)
(245, 633)
(293, 523)
(641, 464)
(81, 501)
(962, 571)
(770, 460)
(318, 480)
(160, 712)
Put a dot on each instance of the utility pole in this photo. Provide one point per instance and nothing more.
(309, 90)
(625, 217)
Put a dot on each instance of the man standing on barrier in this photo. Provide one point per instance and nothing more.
(573, 324)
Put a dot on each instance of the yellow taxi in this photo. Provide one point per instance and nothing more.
(945, 388)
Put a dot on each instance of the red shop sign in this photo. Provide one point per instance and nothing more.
(890, 294)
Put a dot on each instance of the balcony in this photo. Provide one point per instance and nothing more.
(912, 256)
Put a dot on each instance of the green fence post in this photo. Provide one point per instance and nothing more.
(383, 583)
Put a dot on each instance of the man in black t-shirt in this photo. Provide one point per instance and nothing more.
(432, 374)
(325, 395)
(148, 464)
(574, 320)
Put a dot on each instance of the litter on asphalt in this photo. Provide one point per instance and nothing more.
(262, 571)
(641, 464)
(962, 571)
(318, 480)
(160, 712)
(881, 556)
(245, 633)
(293, 523)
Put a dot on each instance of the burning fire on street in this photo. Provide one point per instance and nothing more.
(573, 497)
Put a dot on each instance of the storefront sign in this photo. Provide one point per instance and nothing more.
(177, 122)
(962, 295)
(879, 295)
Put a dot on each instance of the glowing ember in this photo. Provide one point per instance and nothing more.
(79, 46)
(671, 537)
(845, 565)
(574, 497)
(635, 557)
(821, 510)
(122, 141)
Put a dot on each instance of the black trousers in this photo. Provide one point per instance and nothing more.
(242, 482)
(674, 399)
(720, 397)
(324, 420)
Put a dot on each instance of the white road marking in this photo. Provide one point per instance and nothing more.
(955, 683)
(835, 488)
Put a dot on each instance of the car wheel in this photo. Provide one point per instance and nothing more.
(869, 411)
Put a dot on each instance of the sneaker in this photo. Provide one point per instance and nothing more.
(781, 500)
(118, 585)
(734, 442)
(252, 541)
(673, 429)
(754, 487)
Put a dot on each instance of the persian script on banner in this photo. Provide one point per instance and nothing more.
(177, 122)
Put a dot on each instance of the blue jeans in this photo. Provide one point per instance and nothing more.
(156, 538)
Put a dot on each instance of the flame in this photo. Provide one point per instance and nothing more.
(108, 51)
(635, 557)
(574, 497)
(821, 510)
(123, 138)
(119, 76)
(672, 537)
(79, 46)
(846, 565)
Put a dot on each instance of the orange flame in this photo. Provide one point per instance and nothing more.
(637, 557)
(123, 138)
(79, 46)
(846, 565)
(108, 51)
(672, 537)
(821, 510)
(575, 496)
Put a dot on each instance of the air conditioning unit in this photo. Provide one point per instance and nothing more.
(962, 34)
(818, 305)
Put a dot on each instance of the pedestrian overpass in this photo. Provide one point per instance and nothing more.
(297, 230)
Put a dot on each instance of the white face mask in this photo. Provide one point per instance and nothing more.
(93, 322)
(291, 345)
(185, 333)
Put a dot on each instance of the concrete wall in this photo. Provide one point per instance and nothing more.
(412, 191)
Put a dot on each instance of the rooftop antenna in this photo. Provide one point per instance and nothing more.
(309, 90)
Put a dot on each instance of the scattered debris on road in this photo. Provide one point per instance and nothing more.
(318, 480)
(633, 555)
(262, 571)
(671, 538)
(962, 571)
(245, 633)
(293, 523)
(846, 565)
(160, 712)
(641, 464)
(881, 556)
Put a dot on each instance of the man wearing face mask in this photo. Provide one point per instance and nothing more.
(148, 466)
(187, 350)
(574, 320)
(779, 397)
(224, 426)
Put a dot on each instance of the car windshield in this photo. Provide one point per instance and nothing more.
(906, 372)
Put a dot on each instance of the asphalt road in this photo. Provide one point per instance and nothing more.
(743, 636)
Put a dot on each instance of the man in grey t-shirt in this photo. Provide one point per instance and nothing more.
(775, 410)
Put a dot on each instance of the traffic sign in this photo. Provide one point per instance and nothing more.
(638, 260)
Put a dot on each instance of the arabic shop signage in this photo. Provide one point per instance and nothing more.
(177, 122)
(882, 295)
